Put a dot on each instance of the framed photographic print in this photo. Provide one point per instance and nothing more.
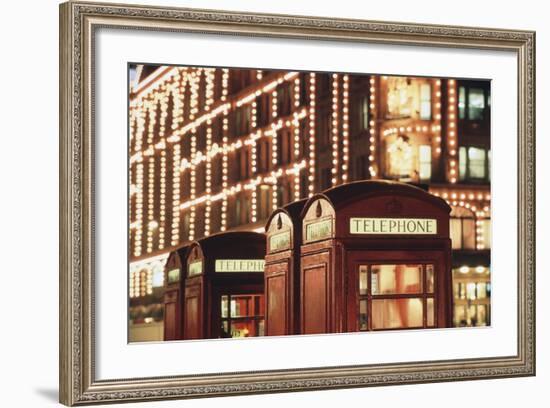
(259, 203)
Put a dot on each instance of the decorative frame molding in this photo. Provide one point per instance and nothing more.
(78, 22)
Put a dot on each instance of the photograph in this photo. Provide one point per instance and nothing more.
(284, 202)
(269, 201)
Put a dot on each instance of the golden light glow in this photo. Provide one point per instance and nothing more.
(181, 128)
(345, 128)
(372, 127)
(451, 133)
(335, 129)
(311, 118)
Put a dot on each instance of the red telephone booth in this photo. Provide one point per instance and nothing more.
(174, 278)
(282, 270)
(224, 287)
(376, 255)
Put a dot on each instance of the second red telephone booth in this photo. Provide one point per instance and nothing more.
(224, 287)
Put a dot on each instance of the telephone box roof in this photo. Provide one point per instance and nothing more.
(341, 195)
(180, 251)
(293, 210)
(224, 243)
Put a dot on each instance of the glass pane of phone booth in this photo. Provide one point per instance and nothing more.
(396, 296)
(242, 315)
(396, 279)
(396, 313)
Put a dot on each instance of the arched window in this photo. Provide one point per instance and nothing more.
(463, 228)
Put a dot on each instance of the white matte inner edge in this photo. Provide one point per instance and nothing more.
(115, 48)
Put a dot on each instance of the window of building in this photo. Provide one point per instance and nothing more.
(471, 102)
(217, 130)
(200, 178)
(146, 124)
(240, 79)
(408, 98)
(283, 193)
(476, 162)
(399, 98)
(425, 102)
(304, 139)
(400, 159)
(186, 103)
(364, 113)
(304, 89)
(462, 228)
(242, 120)
(156, 127)
(201, 139)
(473, 163)
(476, 103)
(243, 164)
(186, 186)
(284, 147)
(169, 120)
(241, 210)
(217, 176)
(304, 184)
(215, 217)
(264, 201)
(263, 156)
(264, 110)
(323, 84)
(472, 296)
(242, 315)
(425, 162)
(362, 167)
(484, 237)
(284, 100)
(133, 136)
(199, 220)
(201, 93)
(184, 225)
(461, 102)
(397, 296)
(324, 127)
(186, 147)
(326, 178)
(408, 162)
(218, 84)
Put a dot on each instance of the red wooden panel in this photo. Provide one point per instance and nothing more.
(170, 321)
(192, 318)
(315, 300)
(276, 305)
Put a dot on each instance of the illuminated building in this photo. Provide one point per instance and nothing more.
(216, 149)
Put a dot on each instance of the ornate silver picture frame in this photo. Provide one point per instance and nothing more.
(78, 381)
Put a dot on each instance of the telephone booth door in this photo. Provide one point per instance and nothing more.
(192, 323)
(397, 290)
(282, 270)
(194, 296)
(174, 277)
(316, 306)
(241, 312)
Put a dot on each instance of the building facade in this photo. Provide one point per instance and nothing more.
(217, 149)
